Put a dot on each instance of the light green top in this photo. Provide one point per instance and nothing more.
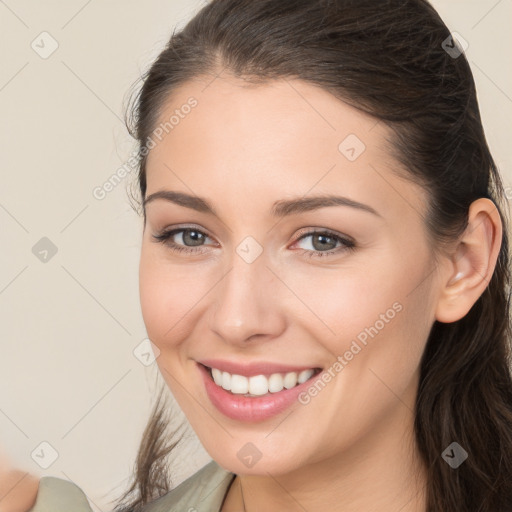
(204, 491)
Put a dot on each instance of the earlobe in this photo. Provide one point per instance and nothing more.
(471, 266)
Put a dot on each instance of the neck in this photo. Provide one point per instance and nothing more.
(380, 472)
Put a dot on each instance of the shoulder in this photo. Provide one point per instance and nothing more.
(58, 495)
(204, 491)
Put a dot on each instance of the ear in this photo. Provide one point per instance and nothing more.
(470, 268)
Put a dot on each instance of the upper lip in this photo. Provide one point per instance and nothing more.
(253, 368)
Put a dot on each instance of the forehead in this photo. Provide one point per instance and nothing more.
(273, 138)
(280, 114)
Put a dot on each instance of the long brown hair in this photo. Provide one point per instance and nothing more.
(390, 59)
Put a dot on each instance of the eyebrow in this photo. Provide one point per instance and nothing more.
(281, 208)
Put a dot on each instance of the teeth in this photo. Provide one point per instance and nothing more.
(305, 375)
(275, 383)
(258, 385)
(239, 385)
(217, 376)
(290, 380)
(226, 381)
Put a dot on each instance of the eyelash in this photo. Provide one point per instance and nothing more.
(349, 245)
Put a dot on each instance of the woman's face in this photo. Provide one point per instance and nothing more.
(251, 289)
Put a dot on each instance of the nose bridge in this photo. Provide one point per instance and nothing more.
(245, 301)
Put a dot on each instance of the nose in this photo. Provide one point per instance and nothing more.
(245, 303)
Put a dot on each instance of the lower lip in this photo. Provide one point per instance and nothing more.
(243, 408)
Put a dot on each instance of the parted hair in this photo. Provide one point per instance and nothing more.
(389, 59)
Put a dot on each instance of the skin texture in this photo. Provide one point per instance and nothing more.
(243, 147)
(18, 489)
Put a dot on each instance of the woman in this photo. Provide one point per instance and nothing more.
(324, 265)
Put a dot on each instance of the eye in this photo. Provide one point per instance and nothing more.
(189, 239)
(324, 243)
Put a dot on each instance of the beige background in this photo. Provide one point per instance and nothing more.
(70, 325)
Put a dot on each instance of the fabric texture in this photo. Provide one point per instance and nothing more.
(58, 495)
(204, 491)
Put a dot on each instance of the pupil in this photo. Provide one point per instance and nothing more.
(322, 244)
(193, 236)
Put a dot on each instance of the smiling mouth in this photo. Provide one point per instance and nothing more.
(259, 385)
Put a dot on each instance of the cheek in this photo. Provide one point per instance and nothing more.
(174, 299)
(391, 335)
(346, 301)
(376, 293)
(165, 297)
(376, 319)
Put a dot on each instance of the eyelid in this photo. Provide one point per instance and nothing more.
(301, 233)
(164, 235)
(347, 243)
(176, 228)
(316, 230)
